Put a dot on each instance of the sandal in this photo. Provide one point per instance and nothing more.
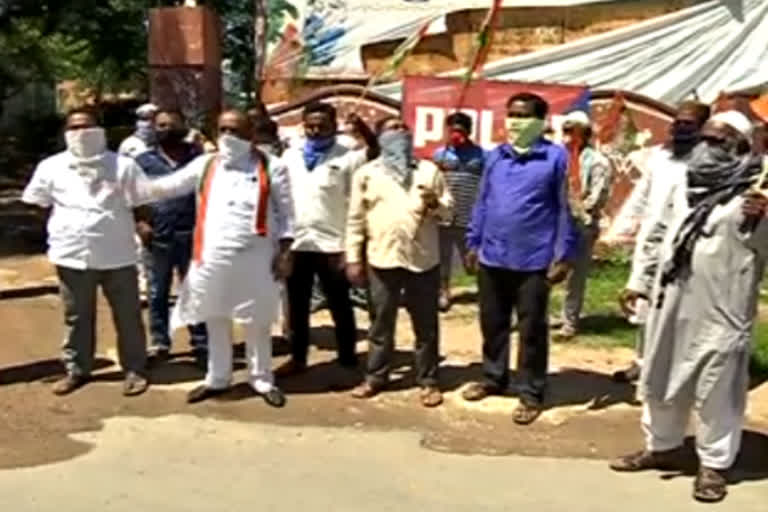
(710, 486)
(476, 391)
(525, 414)
(645, 460)
(431, 396)
(366, 390)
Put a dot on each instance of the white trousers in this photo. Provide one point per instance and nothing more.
(718, 430)
(258, 352)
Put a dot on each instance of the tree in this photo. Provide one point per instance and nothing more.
(101, 43)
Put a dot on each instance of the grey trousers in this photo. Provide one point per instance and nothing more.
(421, 292)
(576, 284)
(78, 293)
(451, 237)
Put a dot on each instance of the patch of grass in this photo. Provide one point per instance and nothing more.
(604, 326)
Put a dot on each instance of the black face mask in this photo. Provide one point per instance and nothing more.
(172, 136)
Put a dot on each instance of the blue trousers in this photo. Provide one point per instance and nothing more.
(161, 259)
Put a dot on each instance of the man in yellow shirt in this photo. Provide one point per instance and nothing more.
(394, 210)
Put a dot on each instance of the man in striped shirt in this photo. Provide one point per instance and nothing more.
(462, 162)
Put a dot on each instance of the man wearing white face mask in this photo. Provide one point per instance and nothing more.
(243, 233)
(90, 238)
(144, 136)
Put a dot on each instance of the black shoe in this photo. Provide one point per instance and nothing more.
(202, 393)
(274, 397)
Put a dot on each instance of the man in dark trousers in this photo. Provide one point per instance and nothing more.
(320, 171)
(166, 232)
(522, 235)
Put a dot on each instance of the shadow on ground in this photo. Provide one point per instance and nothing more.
(750, 465)
(46, 371)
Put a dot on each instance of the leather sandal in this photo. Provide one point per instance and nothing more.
(710, 486)
(366, 390)
(645, 460)
(431, 396)
(525, 414)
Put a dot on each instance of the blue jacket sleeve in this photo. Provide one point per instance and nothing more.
(567, 237)
(476, 224)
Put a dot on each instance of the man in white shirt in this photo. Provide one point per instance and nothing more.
(241, 248)
(320, 173)
(90, 239)
(665, 168)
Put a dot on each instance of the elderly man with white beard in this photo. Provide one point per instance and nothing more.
(705, 254)
(243, 233)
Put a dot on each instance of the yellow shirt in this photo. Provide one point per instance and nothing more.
(391, 220)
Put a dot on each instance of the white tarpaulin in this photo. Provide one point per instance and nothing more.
(709, 48)
(326, 36)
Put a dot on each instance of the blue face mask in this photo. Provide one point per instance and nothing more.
(315, 148)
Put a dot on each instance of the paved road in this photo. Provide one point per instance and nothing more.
(184, 463)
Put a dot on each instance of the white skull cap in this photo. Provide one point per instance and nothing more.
(147, 109)
(578, 117)
(735, 120)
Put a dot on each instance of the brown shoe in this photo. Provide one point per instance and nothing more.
(134, 384)
(291, 368)
(710, 486)
(525, 414)
(645, 460)
(431, 396)
(69, 384)
(476, 391)
(366, 390)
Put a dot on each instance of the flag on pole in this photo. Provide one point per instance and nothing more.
(482, 46)
(483, 40)
(398, 57)
(401, 52)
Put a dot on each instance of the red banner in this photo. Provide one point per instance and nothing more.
(428, 101)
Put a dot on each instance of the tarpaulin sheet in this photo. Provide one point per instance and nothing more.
(325, 37)
(709, 48)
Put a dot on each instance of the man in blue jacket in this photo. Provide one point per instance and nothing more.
(521, 235)
(166, 232)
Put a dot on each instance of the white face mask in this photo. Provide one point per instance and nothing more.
(86, 143)
(233, 148)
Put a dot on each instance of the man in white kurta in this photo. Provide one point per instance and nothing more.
(240, 250)
(664, 168)
(706, 263)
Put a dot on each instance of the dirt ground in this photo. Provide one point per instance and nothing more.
(587, 414)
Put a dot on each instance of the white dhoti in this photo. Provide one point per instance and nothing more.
(232, 286)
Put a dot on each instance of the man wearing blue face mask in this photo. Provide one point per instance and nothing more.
(396, 204)
(320, 172)
(521, 234)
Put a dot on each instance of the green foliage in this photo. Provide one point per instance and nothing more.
(99, 42)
